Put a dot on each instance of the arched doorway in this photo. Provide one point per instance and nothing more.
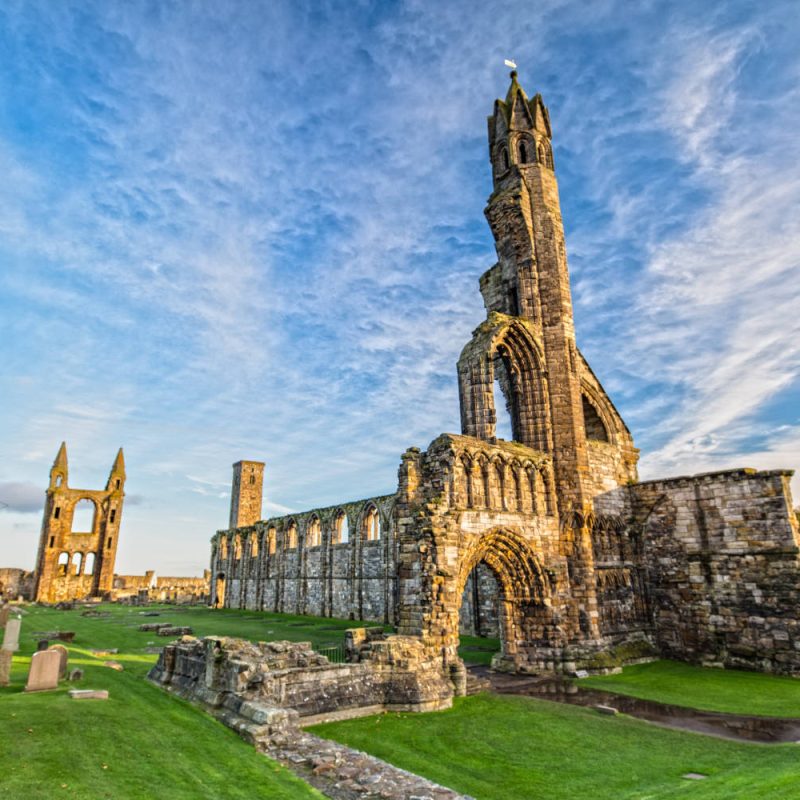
(219, 591)
(502, 571)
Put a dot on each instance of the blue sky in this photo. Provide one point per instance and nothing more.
(255, 230)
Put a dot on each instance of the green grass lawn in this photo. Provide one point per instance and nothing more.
(732, 691)
(144, 743)
(519, 748)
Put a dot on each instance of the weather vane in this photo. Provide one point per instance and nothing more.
(510, 63)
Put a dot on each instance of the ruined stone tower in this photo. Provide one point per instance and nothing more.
(80, 534)
(527, 343)
(246, 489)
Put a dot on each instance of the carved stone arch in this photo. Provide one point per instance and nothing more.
(341, 527)
(78, 506)
(502, 159)
(369, 523)
(524, 586)
(517, 363)
(599, 420)
(525, 148)
(290, 534)
(313, 531)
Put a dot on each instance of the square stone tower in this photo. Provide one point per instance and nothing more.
(246, 493)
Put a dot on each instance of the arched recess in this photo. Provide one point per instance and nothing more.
(83, 514)
(505, 349)
(598, 419)
(523, 614)
(88, 564)
(219, 590)
(517, 366)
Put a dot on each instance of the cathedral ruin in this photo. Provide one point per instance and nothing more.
(80, 533)
(547, 541)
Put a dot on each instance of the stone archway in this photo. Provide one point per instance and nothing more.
(523, 607)
(219, 591)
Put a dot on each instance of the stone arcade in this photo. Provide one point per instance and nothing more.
(548, 540)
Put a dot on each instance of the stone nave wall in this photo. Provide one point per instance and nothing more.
(338, 561)
(722, 554)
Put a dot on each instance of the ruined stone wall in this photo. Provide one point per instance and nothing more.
(283, 682)
(170, 588)
(338, 561)
(723, 567)
(75, 564)
(16, 583)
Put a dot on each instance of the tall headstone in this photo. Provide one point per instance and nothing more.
(11, 635)
(4, 612)
(43, 674)
(64, 653)
(6, 657)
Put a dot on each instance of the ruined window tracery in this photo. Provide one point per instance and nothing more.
(341, 528)
(83, 515)
(372, 530)
(291, 536)
(314, 533)
(593, 423)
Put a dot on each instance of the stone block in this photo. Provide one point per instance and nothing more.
(88, 694)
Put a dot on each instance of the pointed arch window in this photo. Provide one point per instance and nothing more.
(291, 536)
(523, 152)
(341, 529)
(372, 528)
(314, 533)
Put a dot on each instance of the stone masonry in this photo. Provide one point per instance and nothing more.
(267, 692)
(547, 541)
(75, 564)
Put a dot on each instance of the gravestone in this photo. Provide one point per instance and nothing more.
(88, 694)
(64, 653)
(5, 666)
(4, 612)
(43, 674)
(75, 675)
(11, 635)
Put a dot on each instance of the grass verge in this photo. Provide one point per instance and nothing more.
(731, 691)
(516, 748)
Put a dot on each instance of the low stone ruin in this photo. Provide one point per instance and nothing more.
(269, 691)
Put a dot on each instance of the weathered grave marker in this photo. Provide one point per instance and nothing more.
(43, 674)
(6, 657)
(11, 635)
(64, 653)
(88, 694)
(4, 612)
